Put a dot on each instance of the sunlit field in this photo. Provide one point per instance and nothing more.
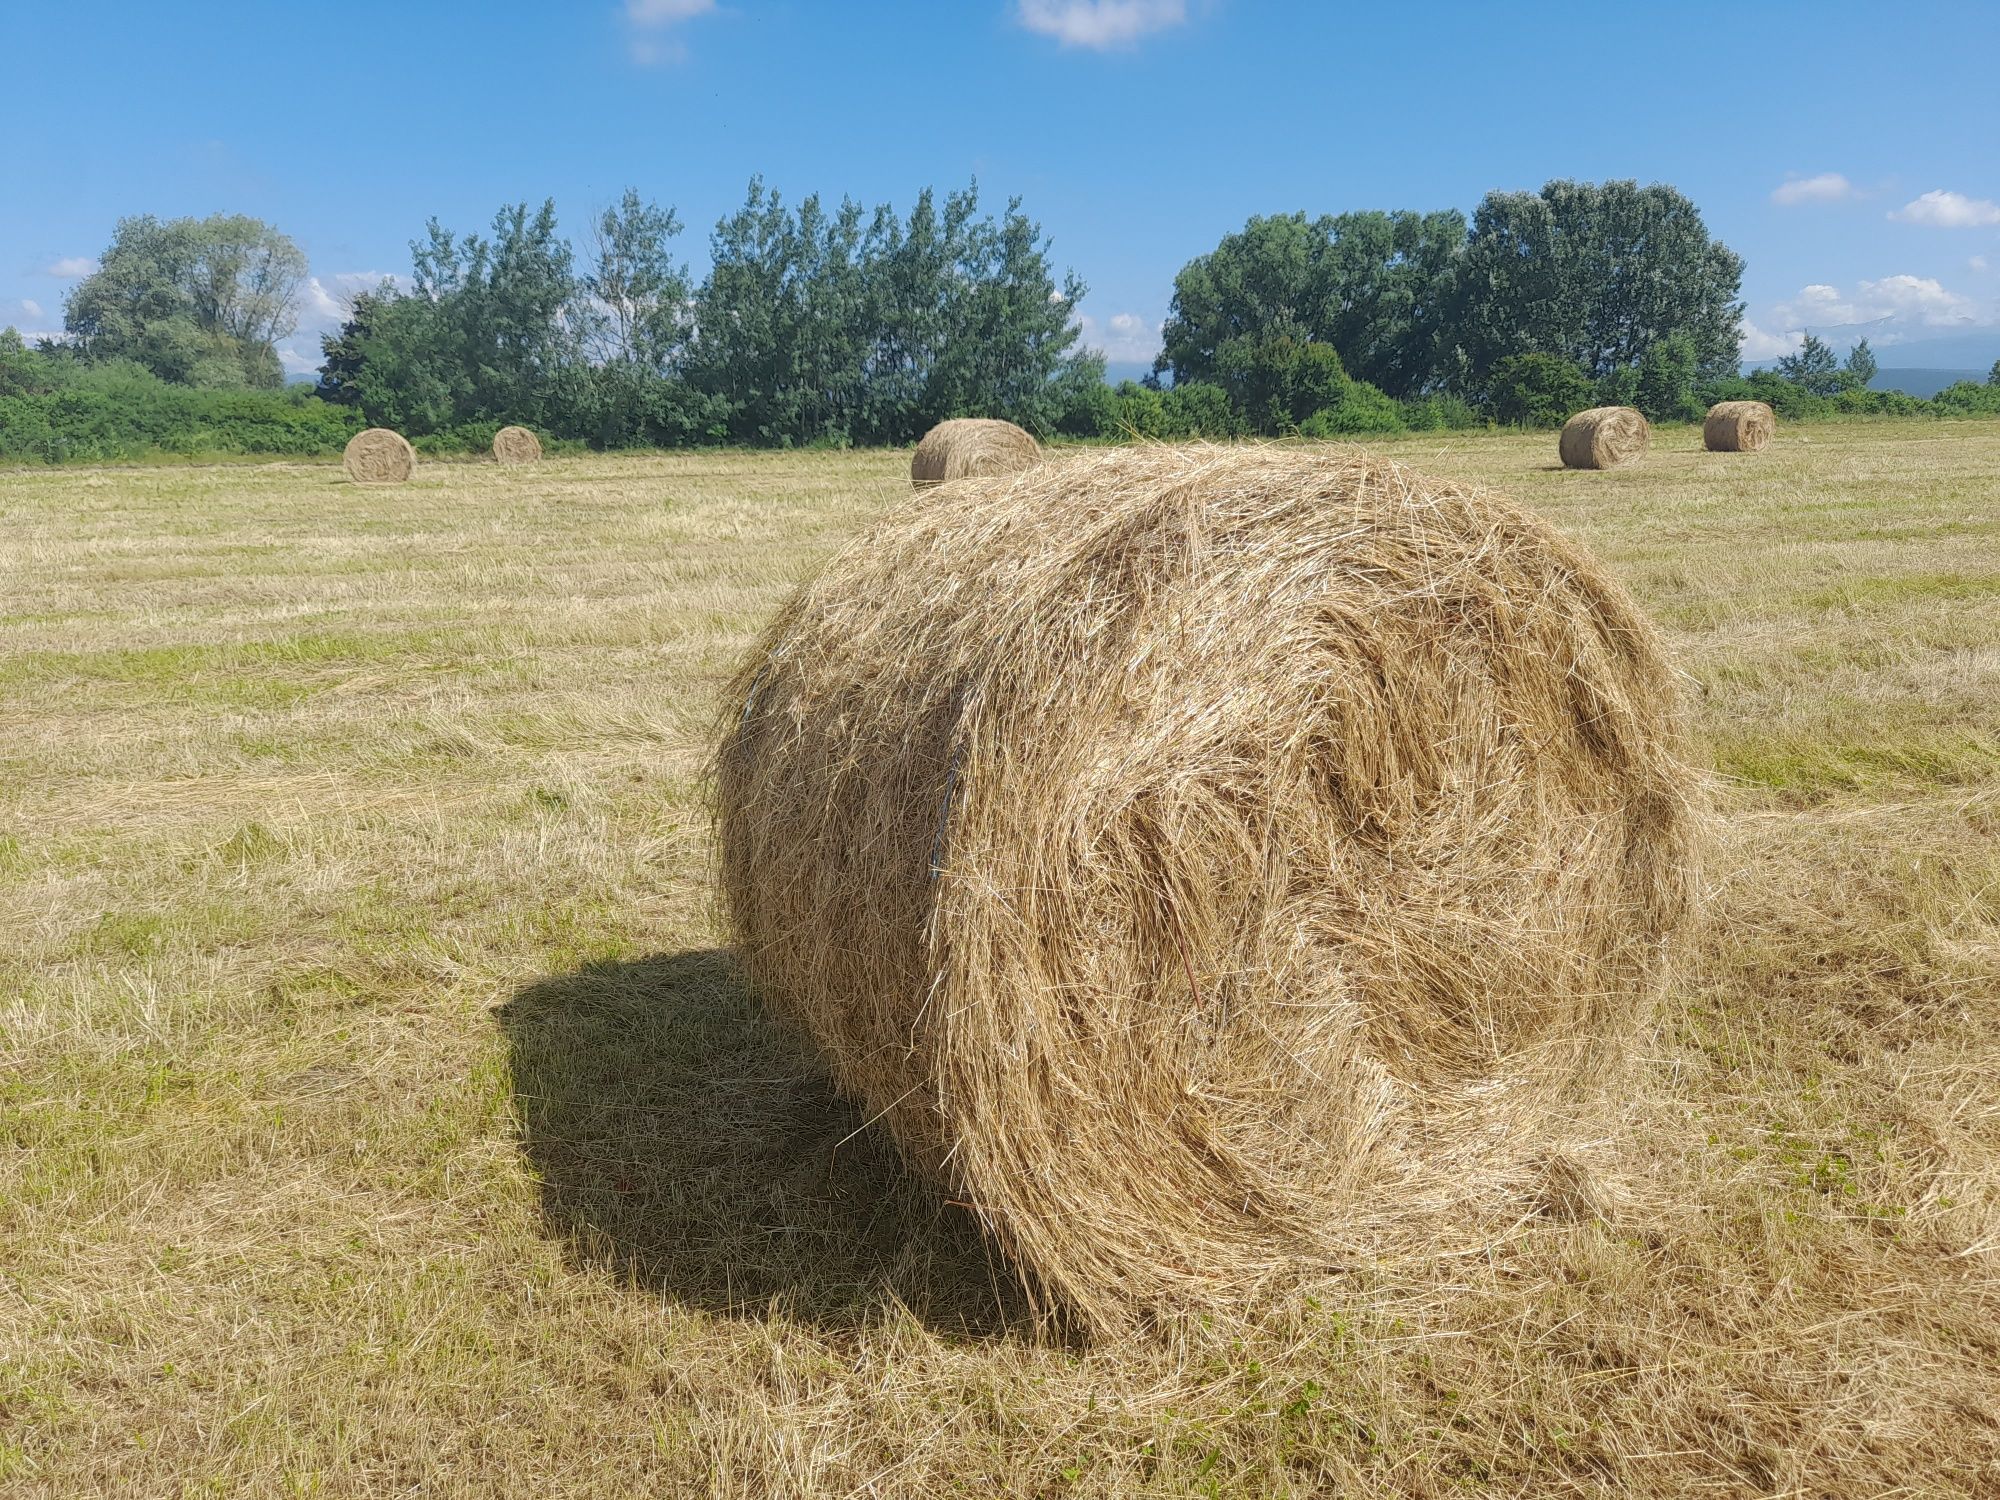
(381, 1113)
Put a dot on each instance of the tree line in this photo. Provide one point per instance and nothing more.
(821, 323)
(815, 324)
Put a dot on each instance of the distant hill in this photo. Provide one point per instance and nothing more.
(1921, 382)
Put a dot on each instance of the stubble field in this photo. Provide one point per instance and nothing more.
(380, 1113)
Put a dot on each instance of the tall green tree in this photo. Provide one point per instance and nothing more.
(484, 335)
(782, 320)
(814, 324)
(196, 301)
(1814, 368)
(500, 304)
(968, 318)
(639, 310)
(1860, 366)
(344, 352)
(1597, 274)
(817, 325)
(1380, 289)
(635, 319)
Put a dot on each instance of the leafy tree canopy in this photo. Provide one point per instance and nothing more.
(198, 302)
(1597, 274)
(1379, 289)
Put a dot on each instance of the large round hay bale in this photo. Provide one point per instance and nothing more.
(1738, 426)
(1210, 863)
(378, 456)
(1603, 438)
(517, 445)
(966, 446)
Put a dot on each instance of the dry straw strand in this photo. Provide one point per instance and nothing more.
(516, 445)
(967, 446)
(1213, 865)
(1738, 426)
(1603, 438)
(378, 456)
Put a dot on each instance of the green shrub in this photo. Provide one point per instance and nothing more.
(1276, 383)
(1360, 408)
(467, 437)
(1968, 398)
(1537, 390)
(1439, 413)
(1619, 388)
(1089, 409)
(1858, 401)
(1137, 411)
(1199, 410)
(119, 410)
(1792, 402)
(1664, 386)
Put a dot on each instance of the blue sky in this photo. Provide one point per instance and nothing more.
(1850, 152)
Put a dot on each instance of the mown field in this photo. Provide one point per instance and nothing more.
(380, 1114)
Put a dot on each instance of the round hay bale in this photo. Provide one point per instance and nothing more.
(1603, 438)
(1738, 426)
(517, 445)
(966, 446)
(1210, 863)
(378, 456)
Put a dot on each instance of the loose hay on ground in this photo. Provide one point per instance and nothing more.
(516, 445)
(378, 456)
(1214, 865)
(967, 446)
(1603, 438)
(1738, 426)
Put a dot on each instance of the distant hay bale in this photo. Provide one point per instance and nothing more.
(1210, 863)
(966, 446)
(1738, 426)
(1603, 438)
(378, 456)
(517, 445)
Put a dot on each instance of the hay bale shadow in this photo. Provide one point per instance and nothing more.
(686, 1143)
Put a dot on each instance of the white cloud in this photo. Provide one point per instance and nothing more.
(324, 302)
(72, 266)
(1887, 311)
(25, 318)
(1827, 187)
(1942, 210)
(1100, 24)
(1125, 338)
(652, 42)
(1917, 297)
(1759, 344)
(1919, 300)
(1977, 263)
